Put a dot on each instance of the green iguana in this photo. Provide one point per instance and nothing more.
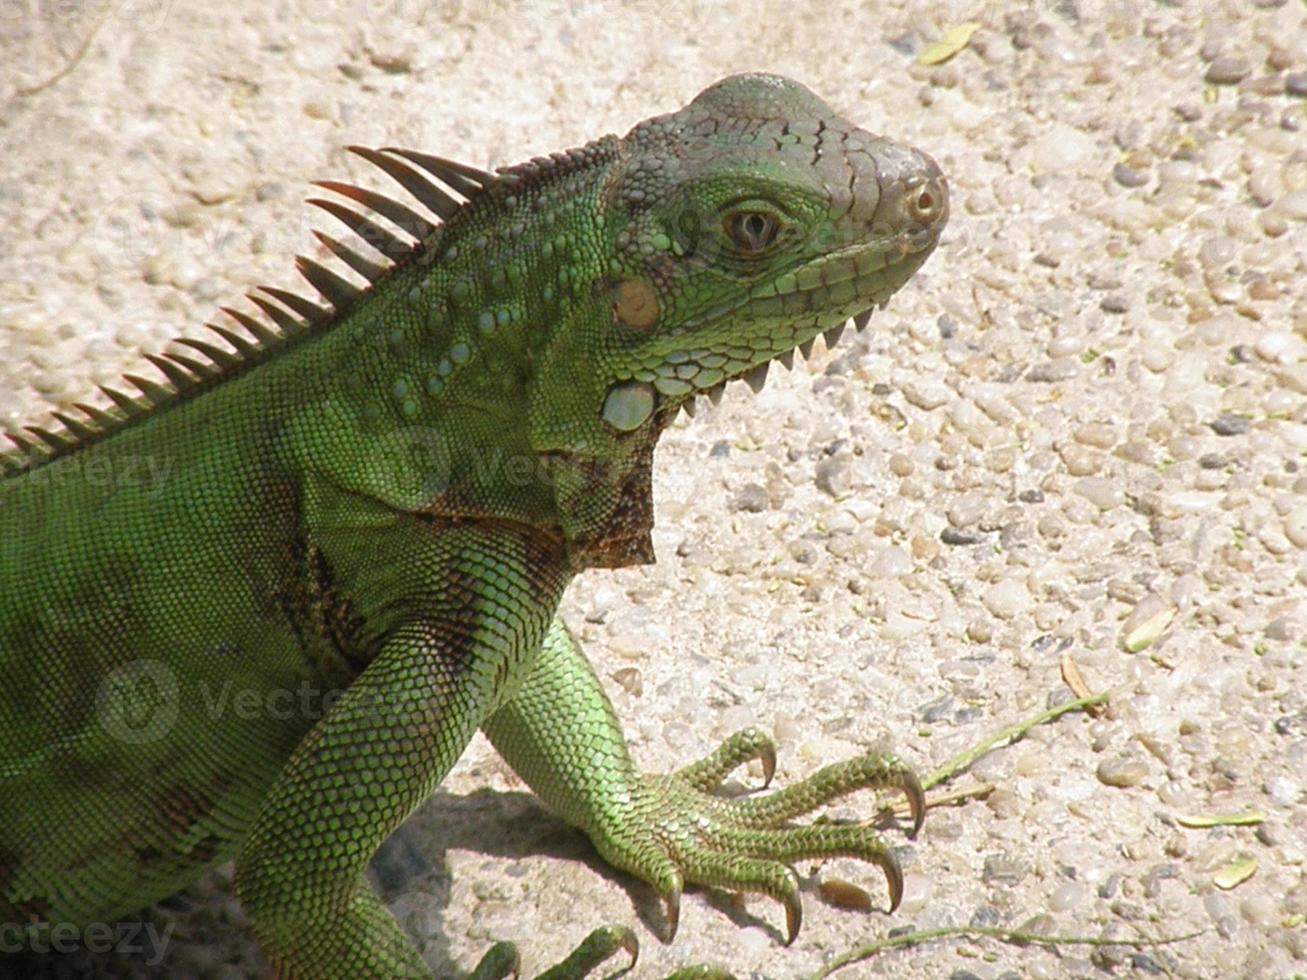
(383, 498)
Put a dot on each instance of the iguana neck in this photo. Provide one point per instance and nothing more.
(435, 371)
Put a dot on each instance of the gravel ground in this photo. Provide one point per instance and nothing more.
(1083, 427)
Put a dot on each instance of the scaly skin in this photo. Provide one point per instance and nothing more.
(263, 616)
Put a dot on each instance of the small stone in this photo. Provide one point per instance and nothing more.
(1101, 492)
(1115, 303)
(891, 562)
(630, 679)
(1007, 599)
(1295, 83)
(1121, 772)
(926, 395)
(1295, 526)
(1283, 790)
(1067, 897)
(1128, 176)
(966, 510)
(951, 535)
(835, 474)
(1060, 148)
(1079, 460)
(1004, 870)
(1228, 70)
(1293, 205)
(751, 498)
(1280, 346)
(1230, 424)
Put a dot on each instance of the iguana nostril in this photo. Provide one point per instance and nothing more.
(929, 202)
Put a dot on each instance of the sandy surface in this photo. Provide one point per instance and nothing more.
(1086, 419)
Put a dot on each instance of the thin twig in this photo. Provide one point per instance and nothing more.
(1007, 736)
(1015, 936)
(101, 16)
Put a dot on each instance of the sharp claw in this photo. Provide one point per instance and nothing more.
(805, 348)
(687, 407)
(632, 947)
(832, 336)
(861, 320)
(894, 878)
(768, 759)
(672, 912)
(916, 802)
(793, 915)
(715, 393)
(787, 359)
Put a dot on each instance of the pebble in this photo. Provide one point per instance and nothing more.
(1068, 896)
(1008, 598)
(1079, 460)
(1004, 870)
(1280, 346)
(1102, 492)
(751, 498)
(1231, 424)
(967, 509)
(1060, 148)
(1295, 526)
(1228, 70)
(1121, 772)
(835, 475)
(1128, 176)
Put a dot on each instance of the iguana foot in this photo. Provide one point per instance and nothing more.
(674, 830)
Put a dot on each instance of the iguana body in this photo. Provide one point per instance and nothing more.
(259, 612)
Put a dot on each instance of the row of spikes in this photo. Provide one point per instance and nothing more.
(756, 377)
(288, 315)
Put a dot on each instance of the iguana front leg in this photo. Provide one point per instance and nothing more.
(562, 737)
(479, 603)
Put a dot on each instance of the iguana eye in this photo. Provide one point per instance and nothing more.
(752, 231)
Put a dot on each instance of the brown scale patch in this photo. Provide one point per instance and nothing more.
(206, 848)
(180, 809)
(34, 909)
(146, 854)
(304, 594)
(635, 304)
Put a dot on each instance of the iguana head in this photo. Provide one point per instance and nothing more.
(738, 229)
